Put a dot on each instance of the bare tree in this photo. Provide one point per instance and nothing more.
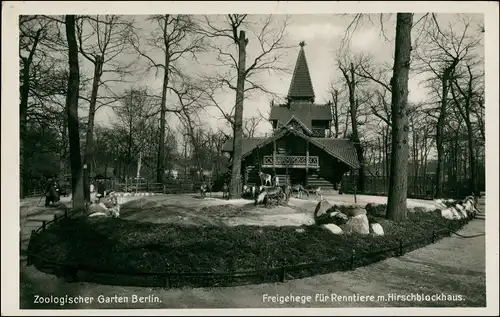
(190, 100)
(338, 111)
(272, 49)
(32, 31)
(131, 121)
(102, 40)
(463, 98)
(442, 52)
(175, 36)
(351, 82)
(251, 125)
(398, 181)
(72, 111)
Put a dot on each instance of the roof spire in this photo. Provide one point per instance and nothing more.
(301, 86)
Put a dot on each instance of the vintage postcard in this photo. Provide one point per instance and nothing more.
(199, 158)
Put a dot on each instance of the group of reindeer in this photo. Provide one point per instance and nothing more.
(270, 190)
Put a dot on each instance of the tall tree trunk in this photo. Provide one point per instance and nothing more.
(346, 127)
(387, 153)
(23, 109)
(445, 79)
(353, 106)
(472, 158)
(72, 111)
(89, 141)
(465, 114)
(416, 162)
(63, 155)
(398, 181)
(236, 188)
(336, 116)
(380, 163)
(24, 91)
(160, 167)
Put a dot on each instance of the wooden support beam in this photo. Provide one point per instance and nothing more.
(274, 155)
(307, 163)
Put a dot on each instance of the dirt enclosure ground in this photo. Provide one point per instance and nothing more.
(190, 209)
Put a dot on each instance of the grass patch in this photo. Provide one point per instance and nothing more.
(130, 246)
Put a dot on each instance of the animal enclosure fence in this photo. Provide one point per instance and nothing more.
(418, 187)
(169, 186)
(168, 279)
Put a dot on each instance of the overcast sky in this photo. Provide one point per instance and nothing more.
(323, 36)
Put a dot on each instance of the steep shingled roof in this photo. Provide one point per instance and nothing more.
(303, 111)
(248, 144)
(301, 87)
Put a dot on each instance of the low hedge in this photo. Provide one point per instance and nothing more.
(128, 246)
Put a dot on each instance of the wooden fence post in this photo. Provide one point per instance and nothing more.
(55, 218)
(401, 247)
(44, 223)
(353, 254)
(433, 235)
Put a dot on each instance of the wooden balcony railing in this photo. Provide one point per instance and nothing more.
(291, 161)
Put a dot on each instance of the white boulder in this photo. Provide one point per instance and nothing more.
(354, 211)
(321, 208)
(447, 214)
(358, 224)
(99, 214)
(333, 228)
(377, 229)
(461, 210)
(456, 214)
(115, 211)
(469, 207)
(104, 208)
(342, 218)
(97, 208)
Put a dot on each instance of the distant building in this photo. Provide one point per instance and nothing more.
(300, 149)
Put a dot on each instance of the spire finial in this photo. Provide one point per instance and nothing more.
(302, 44)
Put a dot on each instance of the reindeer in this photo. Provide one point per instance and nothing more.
(203, 190)
(300, 190)
(317, 192)
(266, 194)
(287, 189)
(265, 178)
(276, 181)
(249, 191)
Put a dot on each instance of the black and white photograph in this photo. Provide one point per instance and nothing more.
(189, 157)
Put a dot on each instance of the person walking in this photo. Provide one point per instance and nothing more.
(50, 193)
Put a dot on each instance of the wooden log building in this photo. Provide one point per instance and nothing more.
(300, 149)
